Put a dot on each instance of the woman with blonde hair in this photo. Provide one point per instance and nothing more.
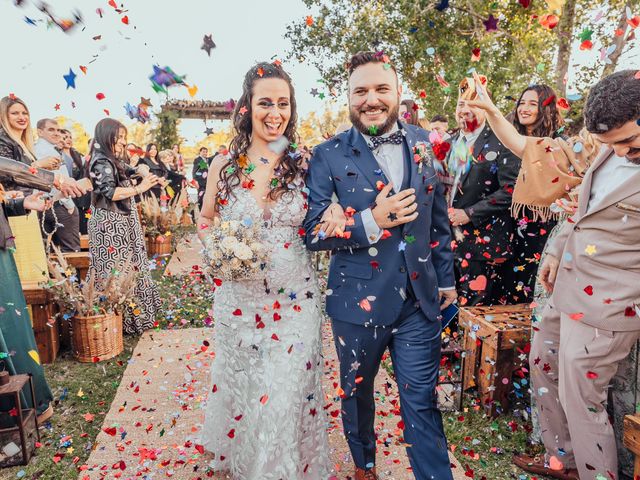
(16, 143)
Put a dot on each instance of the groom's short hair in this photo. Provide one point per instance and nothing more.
(362, 58)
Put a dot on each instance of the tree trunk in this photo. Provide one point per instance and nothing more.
(619, 42)
(565, 35)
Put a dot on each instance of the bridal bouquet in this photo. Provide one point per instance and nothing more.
(233, 251)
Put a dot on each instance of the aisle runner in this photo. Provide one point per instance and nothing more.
(152, 428)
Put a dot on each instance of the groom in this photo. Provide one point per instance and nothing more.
(387, 266)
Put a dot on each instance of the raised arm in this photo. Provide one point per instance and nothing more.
(504, 130)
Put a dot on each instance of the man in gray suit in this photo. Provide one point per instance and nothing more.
(592, 320)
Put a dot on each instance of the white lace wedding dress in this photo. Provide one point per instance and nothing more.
(264, 415)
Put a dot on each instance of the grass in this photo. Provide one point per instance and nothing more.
(83, 394)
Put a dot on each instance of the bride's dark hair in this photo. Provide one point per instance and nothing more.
(290, 165)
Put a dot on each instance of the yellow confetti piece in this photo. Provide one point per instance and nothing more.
(80, 393)
(36, 357)
(590, 250)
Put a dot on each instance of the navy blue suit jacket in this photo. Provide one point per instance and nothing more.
(367, 283)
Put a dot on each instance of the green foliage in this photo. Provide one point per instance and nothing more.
(424, 42)
(166, 131)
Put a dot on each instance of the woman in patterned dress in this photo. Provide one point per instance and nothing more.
(115, 234)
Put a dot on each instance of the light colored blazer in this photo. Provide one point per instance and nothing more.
(598, 281)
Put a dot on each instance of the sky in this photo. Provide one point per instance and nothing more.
(35, 58)
(159, 32)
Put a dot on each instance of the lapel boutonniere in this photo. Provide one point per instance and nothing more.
(422, 155)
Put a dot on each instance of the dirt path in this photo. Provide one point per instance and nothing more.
(152, 427)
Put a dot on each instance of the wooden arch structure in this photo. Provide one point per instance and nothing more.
(199, 109)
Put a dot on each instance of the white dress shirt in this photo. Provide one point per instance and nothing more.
(391, 161)
(42, 149)
(606, 179)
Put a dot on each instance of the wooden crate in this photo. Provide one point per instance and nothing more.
(491, 337)
(45, 329)
(631, 440)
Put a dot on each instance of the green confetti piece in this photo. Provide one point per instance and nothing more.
(409, 239)
(373, 130)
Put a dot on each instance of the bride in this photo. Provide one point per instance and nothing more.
(264, 415)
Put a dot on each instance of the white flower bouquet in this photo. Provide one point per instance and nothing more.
(233, 251)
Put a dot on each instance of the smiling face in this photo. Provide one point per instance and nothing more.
(50, 132)
(121, 142)
(469, 119)
(527, 109)
(153, 151)
(18, 117)
(624, 140)
(374, 98)
(270, 109)
(67, 141)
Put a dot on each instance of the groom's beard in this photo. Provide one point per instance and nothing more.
(635, 160)
(392, 119)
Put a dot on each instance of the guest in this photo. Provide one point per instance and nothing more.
(179, 161)
(133, 154)
(482, 173)
(62, 222)
(592, 269)
(440, 124)
(200, 171)
(408, 112)
(17, 342)
(175, 179)
(16, 143)
(157, 168)
(115, 234)
(75, 162)
(535, 115)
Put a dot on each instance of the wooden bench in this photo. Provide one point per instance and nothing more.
(45, 328)
(631, 439)
(78, 260)
(492, 336)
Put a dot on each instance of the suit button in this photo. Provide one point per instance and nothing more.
(403, 270)
(576, 228)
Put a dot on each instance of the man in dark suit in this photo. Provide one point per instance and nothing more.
(483, 173)
(199, 172)
(390, 270)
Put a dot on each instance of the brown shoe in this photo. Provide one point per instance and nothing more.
(362, 474)
(538, 466)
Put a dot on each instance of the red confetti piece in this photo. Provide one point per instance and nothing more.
(237, 312)
(629, 312)
(232, 433)
(365, 305)
(125, 20)
(588, 290)
(264, 399)
(576, 316)
(110, 431)
(592, 375)
(100, 96)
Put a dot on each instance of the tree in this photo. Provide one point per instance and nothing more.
(432, 49)
(315, 128)
(165, 133)
(78, 133)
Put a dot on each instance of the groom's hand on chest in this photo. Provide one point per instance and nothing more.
(393, 210)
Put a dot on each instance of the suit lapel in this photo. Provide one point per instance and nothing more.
(585, 190)
(625, 189)
(478, 148)
(360, 153)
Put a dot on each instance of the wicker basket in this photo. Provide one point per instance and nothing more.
(159, 245)
(97, 337)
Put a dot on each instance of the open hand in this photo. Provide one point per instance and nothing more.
(394, 210)
(548, 272)
(47, 163)
(483, 100)
(36, 202)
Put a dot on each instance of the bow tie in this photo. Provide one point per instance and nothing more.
(395, 139)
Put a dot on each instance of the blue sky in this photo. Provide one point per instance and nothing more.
(35, 58)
